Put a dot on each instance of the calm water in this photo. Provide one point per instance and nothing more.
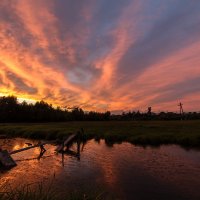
(125, 170)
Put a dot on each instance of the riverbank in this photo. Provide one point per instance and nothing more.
(185, 133)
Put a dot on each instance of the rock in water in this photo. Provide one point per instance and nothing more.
(6, 160)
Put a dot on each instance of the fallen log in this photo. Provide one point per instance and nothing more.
(30, 147)
(65, 143)
(7, 162)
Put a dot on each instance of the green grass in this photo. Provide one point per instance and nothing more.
(185, 133)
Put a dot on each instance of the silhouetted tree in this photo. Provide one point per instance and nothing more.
(13, 111)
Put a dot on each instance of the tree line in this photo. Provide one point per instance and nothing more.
(13, 111)
(128, 116)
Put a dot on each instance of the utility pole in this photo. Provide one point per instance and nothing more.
(181, 109)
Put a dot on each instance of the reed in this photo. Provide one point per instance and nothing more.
(46, 191)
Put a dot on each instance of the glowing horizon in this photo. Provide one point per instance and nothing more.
(102, 55)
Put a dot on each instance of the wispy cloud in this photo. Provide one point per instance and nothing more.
(101, 55)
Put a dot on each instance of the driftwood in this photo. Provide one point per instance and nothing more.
(65, 143)
(7, 162)
(30, 147)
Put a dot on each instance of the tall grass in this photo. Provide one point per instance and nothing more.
(40, 191)
(25, 192)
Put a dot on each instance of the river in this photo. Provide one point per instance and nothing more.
(124, 170)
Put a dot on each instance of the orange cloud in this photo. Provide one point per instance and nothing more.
(128, 57)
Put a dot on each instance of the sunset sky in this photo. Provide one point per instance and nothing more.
(102, 54)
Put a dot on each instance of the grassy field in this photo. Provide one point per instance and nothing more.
(185, 133)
